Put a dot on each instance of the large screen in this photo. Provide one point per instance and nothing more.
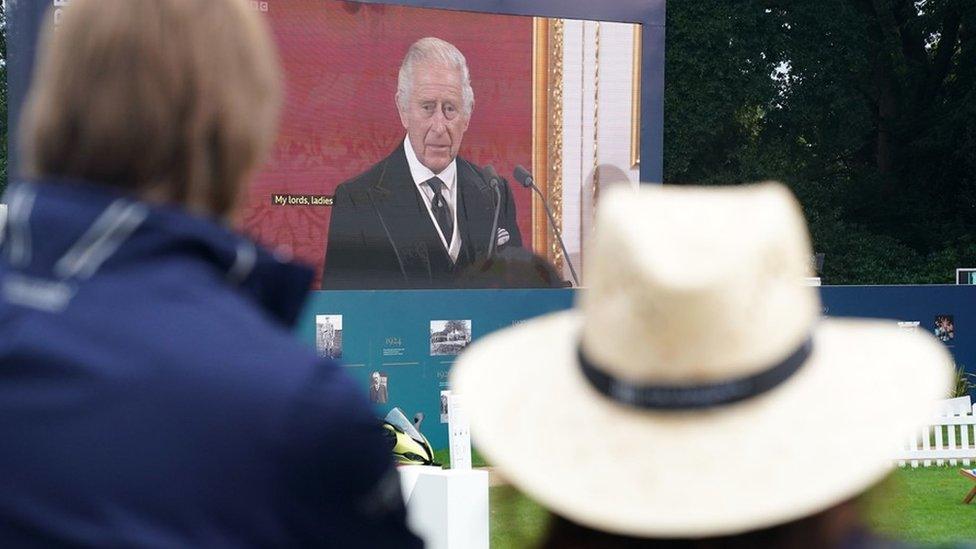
(558, 97)
(348, 186)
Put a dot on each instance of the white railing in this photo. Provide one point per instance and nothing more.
(950, 437)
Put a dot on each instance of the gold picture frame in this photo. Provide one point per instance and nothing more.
(547, 133)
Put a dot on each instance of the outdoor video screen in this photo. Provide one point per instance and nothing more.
(380, 180)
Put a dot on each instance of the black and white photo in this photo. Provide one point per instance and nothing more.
(449, 337)
(328, 336)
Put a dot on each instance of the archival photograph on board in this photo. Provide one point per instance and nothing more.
(449, 337)
(411, 139)
(328, 336)
(945, 328)
(445, 395)
(378, 388)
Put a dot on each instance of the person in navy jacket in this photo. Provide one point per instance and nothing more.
(152, 393)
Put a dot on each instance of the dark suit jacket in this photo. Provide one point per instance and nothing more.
(381, 236)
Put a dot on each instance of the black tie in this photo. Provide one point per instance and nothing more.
(440, 209)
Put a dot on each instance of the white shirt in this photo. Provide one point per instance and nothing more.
(421, 174)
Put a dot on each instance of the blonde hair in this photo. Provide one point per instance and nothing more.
(174, 100)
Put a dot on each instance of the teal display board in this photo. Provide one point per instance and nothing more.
(403, 335)
(409, 338)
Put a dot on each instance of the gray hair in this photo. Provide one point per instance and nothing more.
(435, 51)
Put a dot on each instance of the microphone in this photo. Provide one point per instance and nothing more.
(494, 182)
(524, 177)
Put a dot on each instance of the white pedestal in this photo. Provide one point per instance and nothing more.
(447, 508)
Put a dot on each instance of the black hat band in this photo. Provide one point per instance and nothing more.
(691, 397)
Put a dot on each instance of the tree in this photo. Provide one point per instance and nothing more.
(458, 326)
(866, 108)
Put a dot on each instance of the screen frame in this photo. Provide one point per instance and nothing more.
(649, 14)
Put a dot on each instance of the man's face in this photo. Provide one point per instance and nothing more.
(432, 115)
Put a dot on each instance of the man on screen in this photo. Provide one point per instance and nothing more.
(421, 215)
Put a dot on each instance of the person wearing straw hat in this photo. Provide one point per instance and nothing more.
(695, 392)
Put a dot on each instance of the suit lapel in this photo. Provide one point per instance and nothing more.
(475, 212)
(404, 215)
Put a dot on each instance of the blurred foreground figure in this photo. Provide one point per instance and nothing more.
(695, 398)
(151, 391)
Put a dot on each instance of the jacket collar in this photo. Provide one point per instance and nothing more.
(66, 231)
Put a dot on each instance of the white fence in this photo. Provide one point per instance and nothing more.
(948, 438)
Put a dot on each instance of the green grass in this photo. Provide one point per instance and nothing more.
(515, 520)
(921, 505)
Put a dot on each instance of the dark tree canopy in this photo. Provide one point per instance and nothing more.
(866, 108)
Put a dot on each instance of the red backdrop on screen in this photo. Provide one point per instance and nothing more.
(340, 62)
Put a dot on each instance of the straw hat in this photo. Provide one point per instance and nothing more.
(695, 391)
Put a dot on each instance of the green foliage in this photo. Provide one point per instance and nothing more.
(866, 109)
(963, 384)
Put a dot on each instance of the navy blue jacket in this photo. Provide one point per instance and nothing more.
(152, 393)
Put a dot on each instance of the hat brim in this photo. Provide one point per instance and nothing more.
(821, 437)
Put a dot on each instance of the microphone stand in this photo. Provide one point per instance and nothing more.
(525, 178)
(493, 183)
